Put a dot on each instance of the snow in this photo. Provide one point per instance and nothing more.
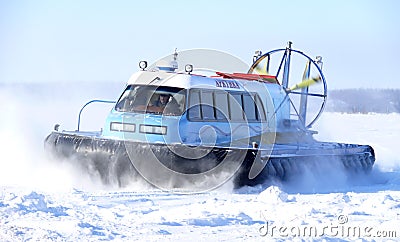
(44, 200)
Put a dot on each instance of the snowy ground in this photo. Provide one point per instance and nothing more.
(41, 200)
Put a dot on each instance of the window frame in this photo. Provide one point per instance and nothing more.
(120, 105)
(256, 100)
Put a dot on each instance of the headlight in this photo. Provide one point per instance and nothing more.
(189, 68)
(143, 65)
(152, 129)
(127, 127)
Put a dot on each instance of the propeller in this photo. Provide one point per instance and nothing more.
(306, 83)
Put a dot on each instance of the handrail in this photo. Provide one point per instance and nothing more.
(92, 101)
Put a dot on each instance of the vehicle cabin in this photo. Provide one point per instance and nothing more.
(169, 107)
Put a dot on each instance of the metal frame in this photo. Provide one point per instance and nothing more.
(92, 101)
(285, 61)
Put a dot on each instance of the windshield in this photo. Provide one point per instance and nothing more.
(152, 99)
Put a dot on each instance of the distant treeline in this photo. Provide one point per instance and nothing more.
(364, 101)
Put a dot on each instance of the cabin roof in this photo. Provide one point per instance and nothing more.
(228, 81)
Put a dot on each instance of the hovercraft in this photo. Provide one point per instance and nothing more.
(174, 128)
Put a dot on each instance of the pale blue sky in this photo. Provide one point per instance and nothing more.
(42, 41)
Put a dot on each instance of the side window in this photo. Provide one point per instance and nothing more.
(194, 104)
(221, 105)
(249, 107)
(207, 105)
(260, 109)
(235, 107)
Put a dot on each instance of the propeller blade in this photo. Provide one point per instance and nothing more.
(261, 71)
(306, 83)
